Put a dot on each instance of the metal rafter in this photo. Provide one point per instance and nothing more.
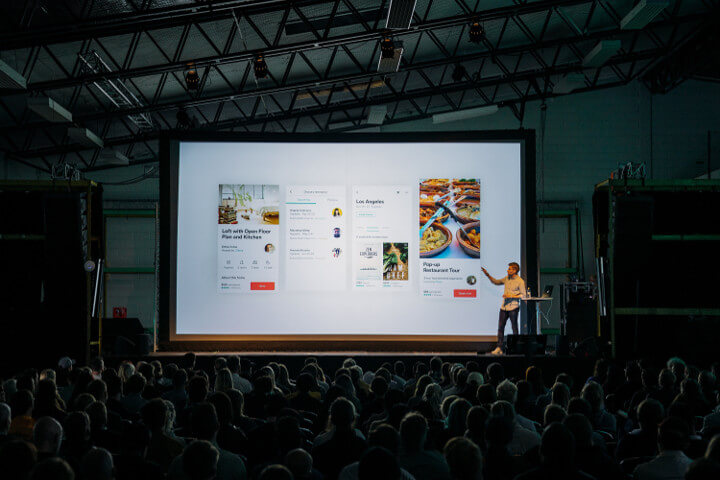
(142, 20)
(520, 81)
(276, 48)
(368, 74)
(393, 96)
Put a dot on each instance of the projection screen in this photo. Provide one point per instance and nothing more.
(299, 237)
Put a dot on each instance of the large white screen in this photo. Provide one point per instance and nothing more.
(333, 229)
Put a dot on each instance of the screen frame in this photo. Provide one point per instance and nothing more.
(168, 339)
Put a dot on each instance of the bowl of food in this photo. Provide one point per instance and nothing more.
(468, 237)
(270, 215)
(435, 239)
(468, 210)
(468, 193)
(436, 183)
(428, 209)
(470, 182)
(467, 188)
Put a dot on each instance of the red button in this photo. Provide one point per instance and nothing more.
(465, 293)
(262, 285)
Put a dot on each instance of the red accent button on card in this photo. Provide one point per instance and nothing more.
(262, 285)
(465, 293)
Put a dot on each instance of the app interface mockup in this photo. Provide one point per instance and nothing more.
(344, 239)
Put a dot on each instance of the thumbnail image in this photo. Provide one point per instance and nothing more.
(337, 212)
(395, 261)
(450, 218)
(336, 252)
(255, 204)
(336, 232)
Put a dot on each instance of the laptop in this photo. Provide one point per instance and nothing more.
(547, 293)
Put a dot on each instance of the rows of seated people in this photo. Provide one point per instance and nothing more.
(436, 421)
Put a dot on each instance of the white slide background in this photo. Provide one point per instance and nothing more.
(200, 310)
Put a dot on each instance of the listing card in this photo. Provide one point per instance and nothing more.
(248, 239)
(450, 220)
(381, 237)
(316, 255)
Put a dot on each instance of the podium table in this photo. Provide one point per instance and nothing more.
(532, 305)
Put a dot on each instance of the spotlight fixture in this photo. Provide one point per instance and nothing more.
(458, 73)
(192, 79)
(260, 67)
(387, 48)
(184, 121)
(477, 32)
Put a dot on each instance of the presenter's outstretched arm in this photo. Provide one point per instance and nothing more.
(490, 277)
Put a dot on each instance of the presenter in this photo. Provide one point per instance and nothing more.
(514, 290)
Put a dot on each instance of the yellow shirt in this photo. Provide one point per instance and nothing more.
(513, 286)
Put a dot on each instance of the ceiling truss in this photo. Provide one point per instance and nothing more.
(521, 61)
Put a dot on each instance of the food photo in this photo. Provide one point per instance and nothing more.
(256, 204)
(449, 218)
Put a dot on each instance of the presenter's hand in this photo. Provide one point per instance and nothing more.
(484, 271)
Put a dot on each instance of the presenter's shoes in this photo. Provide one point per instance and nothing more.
(497, 351)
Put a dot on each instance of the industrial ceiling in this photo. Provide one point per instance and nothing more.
(82, 79)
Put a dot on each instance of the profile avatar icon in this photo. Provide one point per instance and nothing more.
(337, 212)
(269, 248)
(336, 252)
(336, 232)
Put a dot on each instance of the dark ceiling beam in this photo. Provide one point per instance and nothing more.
(152, 19)
(692, 54)
(411, 118)
(316, 84)
(268, 53)
(506, 103)
(359, 103)
(330, 42)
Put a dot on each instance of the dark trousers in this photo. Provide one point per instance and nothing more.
(504, 315)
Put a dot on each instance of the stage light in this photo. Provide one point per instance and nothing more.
(184, 122)
(458, 73)
(110, 157)
(400, 14)
(477, 32)
(643, 13)
(260, 67)
(192, 79)
(387, 48)
(49, 109)
(376, 115)
(10, 78)
(391, 64)
(601, 53)
(569, 83)
(85, 137)
(465, 114)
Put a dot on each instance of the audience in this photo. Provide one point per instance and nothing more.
(47, 437)
(5, 419)
(21, 406)
(52, 469)
(421, 463)
(97, 464)
(671, 462)
(422, 421)
(464, 459)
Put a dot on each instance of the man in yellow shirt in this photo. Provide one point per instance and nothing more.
(514, 290)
